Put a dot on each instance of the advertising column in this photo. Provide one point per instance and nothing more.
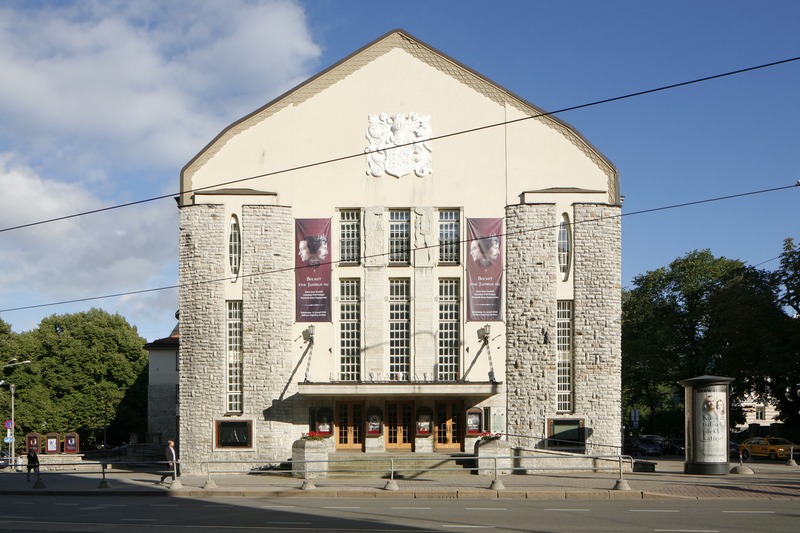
(706, 415)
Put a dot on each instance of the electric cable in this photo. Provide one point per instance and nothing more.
(411, 250)
(434, 138)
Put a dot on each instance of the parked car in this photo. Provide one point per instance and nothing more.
(673, 446)
(733, 448)
(4, 460)
(641, 446)
(771, 447)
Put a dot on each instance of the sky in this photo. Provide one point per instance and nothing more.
(103, 103)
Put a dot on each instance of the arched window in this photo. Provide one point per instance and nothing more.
(564, 246)
(235, 246)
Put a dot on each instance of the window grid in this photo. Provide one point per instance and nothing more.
(449, 330)
(399, 329)
(350, 330)
(400, 236)
(564, 247)
(350, 236)
(449, 236)
(564, 349)
(235, 366)
(234, 246)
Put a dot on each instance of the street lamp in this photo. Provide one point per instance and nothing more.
(13, 388)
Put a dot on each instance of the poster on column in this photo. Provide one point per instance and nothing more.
(484, 269)
(312, 270)
(712, 431)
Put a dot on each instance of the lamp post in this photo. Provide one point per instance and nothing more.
(13, 389)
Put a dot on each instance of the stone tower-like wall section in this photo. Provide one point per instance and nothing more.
(530, 312)
(597, 316)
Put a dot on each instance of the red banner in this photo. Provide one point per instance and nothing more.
(312, 270)
(485, 269)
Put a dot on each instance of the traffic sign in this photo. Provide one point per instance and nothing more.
(9, 424)
(8, 439)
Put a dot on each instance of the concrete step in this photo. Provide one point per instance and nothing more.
(405, 465)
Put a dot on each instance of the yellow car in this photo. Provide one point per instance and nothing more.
(772, 447)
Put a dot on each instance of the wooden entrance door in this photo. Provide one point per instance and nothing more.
(399, 425)
(349, 426)
(449, 433)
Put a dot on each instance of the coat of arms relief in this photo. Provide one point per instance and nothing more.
(398, 145)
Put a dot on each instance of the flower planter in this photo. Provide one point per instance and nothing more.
(487, 450)
(309, 450)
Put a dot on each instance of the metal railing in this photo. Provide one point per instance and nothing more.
(396, 467)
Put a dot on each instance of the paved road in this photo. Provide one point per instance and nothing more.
(285, 514)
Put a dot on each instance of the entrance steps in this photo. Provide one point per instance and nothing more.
(406, 466)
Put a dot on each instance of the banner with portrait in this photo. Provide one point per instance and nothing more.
(485, 269)
(711, 426)
(312, 270)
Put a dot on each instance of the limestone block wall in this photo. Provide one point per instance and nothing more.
(267, 315)
(270, 380)
(531, 304)
(530, 312)
(201, 258)
(597, 318)
(161, 411)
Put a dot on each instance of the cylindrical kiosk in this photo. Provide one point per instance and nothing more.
(706, 413)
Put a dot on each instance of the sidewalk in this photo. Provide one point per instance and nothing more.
(769, 481)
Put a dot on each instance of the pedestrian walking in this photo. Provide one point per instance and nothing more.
(172, 460)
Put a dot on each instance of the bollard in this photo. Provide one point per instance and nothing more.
(391, 484)
(791, 461)
(621, 484)
(740, 468)
(209, 482)
(496, 483)
(307, 483)
(176, 482)
(104, 484)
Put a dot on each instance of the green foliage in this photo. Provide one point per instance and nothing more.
(83, 366)
(707, 315)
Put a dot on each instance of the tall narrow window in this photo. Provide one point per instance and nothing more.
(350, 236)
(449, 330)
(234, 246)
(564, 247)
(400, 237)
(350, 330)
(235, 367)
(449, 236)
(399, 328)
(564, 356)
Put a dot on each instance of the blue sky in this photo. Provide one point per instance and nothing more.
(104, 102)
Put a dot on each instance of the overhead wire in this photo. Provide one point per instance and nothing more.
(431, 246)
(433, 138)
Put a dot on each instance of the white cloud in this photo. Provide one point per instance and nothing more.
(103, 103)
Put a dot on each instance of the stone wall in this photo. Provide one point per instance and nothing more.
(202, 314)
(267, 302)
(597, 317)
(161, 411)
(531, 278)
(270, 370)
(530, 313)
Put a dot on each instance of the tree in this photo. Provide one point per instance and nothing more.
(664, 321)
(707, 315)
(83, 366)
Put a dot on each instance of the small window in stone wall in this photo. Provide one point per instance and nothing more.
(234, 434)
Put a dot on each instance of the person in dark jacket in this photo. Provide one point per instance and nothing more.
(172, 460)
(33, 463)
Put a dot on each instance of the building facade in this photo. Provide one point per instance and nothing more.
(399, 254)
(162, 388)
